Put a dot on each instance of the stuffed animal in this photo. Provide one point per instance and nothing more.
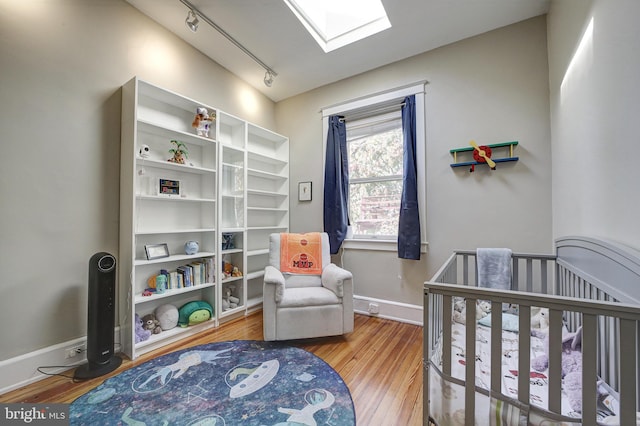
(151, 323)
(202, 122)
(483, 308)
(195, 312)
(140, 332)
(229, 301)
(571, 367)
(167, 316)
(540, 318)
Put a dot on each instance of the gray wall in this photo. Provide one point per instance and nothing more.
(595, 111)
(60, 133)
(63, 62)
(490, 88)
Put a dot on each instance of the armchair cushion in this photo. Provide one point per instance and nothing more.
(308, 296)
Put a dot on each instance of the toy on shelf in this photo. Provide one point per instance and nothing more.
(202, 122)
(195, 312)
(229, 270)
(151, 323)
(483, 154)
(228, 300)
(167, 316)
(142, 333)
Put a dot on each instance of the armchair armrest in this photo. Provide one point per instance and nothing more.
(274, 277)
(334, 277)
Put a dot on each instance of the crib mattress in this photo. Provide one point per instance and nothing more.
(447, 392)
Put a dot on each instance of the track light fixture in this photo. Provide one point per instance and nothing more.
(192, 21)
(268, 78)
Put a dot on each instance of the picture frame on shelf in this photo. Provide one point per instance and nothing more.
(169, 187)
(156, 251)
(304, 191)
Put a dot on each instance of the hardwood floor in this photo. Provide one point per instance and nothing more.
(381, 363)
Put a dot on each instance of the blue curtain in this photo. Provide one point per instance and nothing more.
(409, 224)
(336, 184)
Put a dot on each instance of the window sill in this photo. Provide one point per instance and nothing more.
(377, 245)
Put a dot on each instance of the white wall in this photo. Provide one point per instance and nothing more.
(491, 88)
(595, 118)
(63, 62)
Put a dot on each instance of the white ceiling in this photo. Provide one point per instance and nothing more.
(269, 30)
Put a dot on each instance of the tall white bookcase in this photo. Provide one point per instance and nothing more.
(232, 193)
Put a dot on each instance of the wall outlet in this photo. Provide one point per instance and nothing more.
(74, 351)
(374, 308)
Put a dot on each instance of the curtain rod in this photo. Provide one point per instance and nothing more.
(399, 92)
(371, 112)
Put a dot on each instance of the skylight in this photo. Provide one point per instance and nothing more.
(336, 23)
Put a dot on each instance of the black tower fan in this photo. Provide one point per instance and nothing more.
(100, 318)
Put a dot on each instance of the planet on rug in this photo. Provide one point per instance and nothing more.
(241, 382)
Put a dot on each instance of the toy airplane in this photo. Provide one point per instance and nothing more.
(482, 154)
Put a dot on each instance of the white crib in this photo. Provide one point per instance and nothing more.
(588, 283)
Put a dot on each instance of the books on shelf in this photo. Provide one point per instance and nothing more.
(193, 274)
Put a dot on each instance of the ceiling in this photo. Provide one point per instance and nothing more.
(271, 32)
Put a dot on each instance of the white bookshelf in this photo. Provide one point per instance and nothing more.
(153, 117)
(233, 182)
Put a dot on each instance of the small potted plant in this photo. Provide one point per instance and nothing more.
(179, 151)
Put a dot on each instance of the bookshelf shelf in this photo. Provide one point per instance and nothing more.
(139, 298)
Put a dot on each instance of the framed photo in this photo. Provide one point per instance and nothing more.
(169, 187)
(156, 251)
(304, 191)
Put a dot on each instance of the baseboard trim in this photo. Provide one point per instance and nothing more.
(22, 370)
(396, 311)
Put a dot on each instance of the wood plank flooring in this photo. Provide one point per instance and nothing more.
(381, 363)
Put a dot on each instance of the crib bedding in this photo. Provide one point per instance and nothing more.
(447, 392)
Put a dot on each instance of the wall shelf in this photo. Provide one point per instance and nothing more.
(507, 147)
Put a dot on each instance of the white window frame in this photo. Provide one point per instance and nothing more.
(384, 98)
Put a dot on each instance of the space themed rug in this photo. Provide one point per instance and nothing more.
(239, 382)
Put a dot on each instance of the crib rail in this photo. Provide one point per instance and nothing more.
(439, 298)
(572, 299)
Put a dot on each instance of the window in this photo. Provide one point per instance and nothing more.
(374, 146)
(375, 150)
(336, 23)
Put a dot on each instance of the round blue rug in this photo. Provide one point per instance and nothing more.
(228, 383)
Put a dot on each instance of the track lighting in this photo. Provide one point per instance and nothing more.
(268, 78)
(192, 21)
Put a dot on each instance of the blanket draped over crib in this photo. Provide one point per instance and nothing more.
(494, 268)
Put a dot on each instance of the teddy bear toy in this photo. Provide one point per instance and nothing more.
(571, 367)
(141, 333)
(229, 301)
(235, 272)
(540, 319)
(483, 308)
(202, 122)
(151, 323)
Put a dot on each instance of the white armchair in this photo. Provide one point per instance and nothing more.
(299, 306)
